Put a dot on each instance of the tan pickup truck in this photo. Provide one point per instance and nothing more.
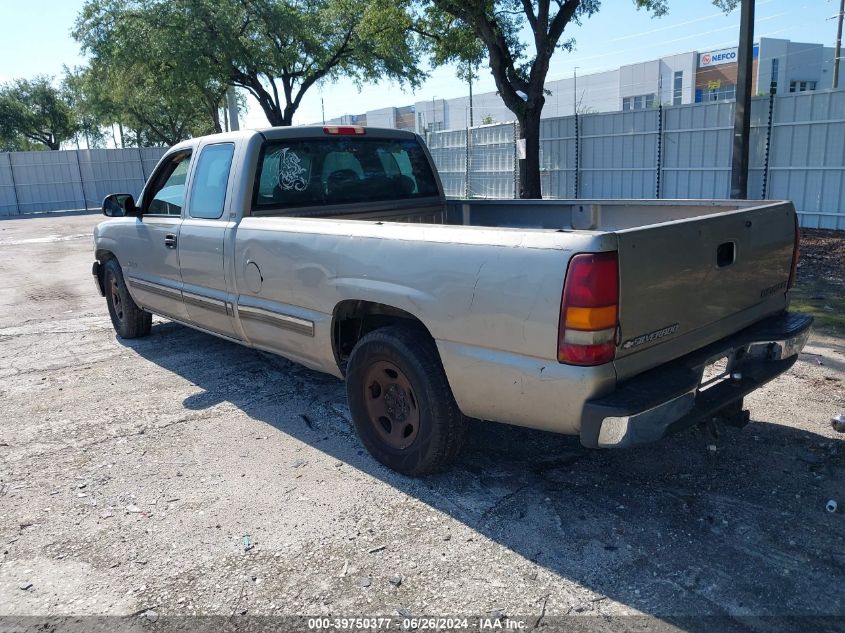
(619, 321)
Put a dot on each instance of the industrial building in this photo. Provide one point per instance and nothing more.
(690, 77)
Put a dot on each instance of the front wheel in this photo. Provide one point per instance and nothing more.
(401, 403)
(129, 320)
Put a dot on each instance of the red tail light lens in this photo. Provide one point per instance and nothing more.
(344, 130)
(589, 310)
(795, 254)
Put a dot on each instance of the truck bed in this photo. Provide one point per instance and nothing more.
(691, 271)
(559, 215)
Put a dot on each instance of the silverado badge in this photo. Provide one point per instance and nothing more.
(651, 336)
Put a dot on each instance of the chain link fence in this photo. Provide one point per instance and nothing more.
(479, 162)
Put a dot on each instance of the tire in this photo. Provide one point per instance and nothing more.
(401, 403)
(128, 319)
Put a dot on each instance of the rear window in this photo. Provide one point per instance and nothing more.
(341, 170)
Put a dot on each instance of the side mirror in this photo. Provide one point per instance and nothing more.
(117, 205)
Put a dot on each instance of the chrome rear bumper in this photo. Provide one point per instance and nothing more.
(672, 397)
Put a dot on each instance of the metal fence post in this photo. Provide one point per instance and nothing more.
(516, 159)
(81, 181)
(765, 191)
(659, 166)
(467, 170)
(577, 157)
(14, 185)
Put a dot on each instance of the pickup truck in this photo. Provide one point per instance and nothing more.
(618, 321)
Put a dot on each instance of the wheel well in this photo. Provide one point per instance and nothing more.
(102, 256)
(354, 319)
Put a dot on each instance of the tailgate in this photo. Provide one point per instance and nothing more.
(687, 283)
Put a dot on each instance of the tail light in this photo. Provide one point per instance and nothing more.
(344, 130)
(795, 253)
(589, 310)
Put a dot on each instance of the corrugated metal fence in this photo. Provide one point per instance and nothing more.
(31, 182)
(797, 153)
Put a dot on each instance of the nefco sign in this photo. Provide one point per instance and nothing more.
(716, 58)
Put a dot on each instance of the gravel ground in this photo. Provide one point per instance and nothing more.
(187, 475)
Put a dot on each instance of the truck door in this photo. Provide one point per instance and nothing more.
(202, 241)
(151, 260)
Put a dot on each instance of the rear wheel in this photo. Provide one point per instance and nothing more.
(129, 320)
(401, 403)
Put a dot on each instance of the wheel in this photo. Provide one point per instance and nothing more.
(401, 403)
(128, 319)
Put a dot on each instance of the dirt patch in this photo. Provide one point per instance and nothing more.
(820, 287)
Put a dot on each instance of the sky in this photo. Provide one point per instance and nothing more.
(35, 39)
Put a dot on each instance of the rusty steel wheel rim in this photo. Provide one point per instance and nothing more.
(391, 404)
(116, 301)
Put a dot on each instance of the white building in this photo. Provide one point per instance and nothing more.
(689, 77)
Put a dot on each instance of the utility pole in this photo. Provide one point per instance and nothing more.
(232, 102)
(323, 109)
(575, 90)
(742, 111)
(838, 50)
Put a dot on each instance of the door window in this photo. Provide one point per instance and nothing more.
(166, 194)
(208, 187)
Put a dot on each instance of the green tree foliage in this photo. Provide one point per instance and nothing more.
(518, 62)
(89, 120)
(274, 49)
(141, 75)
(34, 115)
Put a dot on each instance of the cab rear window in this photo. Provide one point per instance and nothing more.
(302, 173)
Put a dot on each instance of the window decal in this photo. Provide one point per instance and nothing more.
(292, 175)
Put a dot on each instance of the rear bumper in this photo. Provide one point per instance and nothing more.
(670, 398)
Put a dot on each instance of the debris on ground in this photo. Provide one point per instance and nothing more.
(831, 506)
(838, 423)
(248, 544)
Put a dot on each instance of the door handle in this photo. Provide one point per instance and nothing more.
(170, 240)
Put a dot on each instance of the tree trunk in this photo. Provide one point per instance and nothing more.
(215, 120)
(529, 167)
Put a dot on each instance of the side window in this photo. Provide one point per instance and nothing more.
(208, 188)
(167, 189)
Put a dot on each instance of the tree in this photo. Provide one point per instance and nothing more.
(142, 73)
(519, 68)
(276, 50)
(33, 113)
(90, 122)
(152, 106)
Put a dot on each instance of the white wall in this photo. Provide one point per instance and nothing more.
(383, 117)
(684, 62)
(797, 61)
